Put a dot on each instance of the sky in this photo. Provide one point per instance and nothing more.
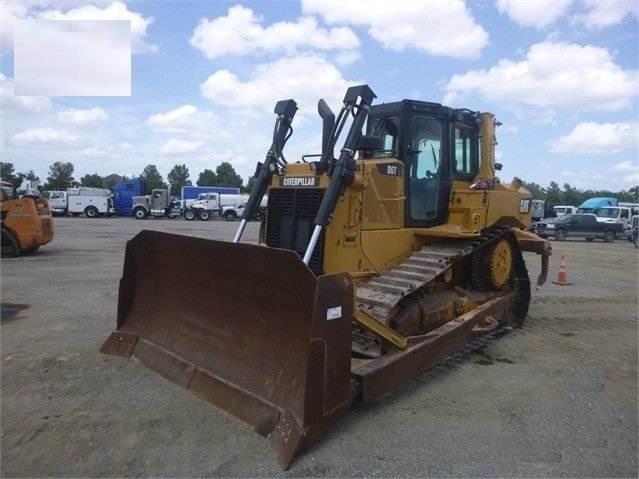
(200, 79)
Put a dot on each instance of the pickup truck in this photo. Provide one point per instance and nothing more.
(585, 226)
(236, 211)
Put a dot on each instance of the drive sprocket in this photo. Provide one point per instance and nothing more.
(492, 265)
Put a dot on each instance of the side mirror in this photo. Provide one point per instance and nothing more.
(370, 143)
(392, 126)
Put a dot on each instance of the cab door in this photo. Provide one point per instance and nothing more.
(428, 180)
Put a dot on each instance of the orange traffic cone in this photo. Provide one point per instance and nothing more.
(562, 277)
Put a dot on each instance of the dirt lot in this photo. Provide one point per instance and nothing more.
(557, 398)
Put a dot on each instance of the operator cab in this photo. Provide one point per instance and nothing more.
(436, 144)
(8, 192)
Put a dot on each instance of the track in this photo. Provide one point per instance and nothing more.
(380, 296)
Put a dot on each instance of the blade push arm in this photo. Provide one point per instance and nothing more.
(285, 111)
(343, 171)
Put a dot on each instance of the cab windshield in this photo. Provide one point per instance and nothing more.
(608, 212)
(8, 192)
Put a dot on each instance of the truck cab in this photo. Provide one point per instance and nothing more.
(615, 214)
(123, 194)
(58, 202)
(593, 205)
(159, 204)
(205, 206)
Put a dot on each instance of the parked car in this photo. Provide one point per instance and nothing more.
(585, 226)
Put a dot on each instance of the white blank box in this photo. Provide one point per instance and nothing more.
(72, 58)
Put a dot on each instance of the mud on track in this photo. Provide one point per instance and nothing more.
(557, 398)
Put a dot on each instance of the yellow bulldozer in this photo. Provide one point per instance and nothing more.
(373, 266)
(27, 222)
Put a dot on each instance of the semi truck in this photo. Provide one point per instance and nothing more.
(158, 203)
(593, 205)
(123, 194)
(203, 207)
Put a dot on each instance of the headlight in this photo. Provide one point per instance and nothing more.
(550, 226)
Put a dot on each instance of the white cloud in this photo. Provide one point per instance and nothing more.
(625, 177)
(626, 167)
(112, 152)
(180, 147)
(553, 75)
(81, 117)
(13, 11)
(436, 27)
(605, 14)
(187, 120)
(94, 152)
(20, 104)
(240, 33)
(537, 14)
(348, 57)
(43, 137)
(304, 78)
(628, 171)
(591, 137)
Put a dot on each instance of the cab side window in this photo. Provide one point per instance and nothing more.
(8, 192)
(466, 151)
(380, 127)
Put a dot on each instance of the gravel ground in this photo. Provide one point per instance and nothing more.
(557, 398)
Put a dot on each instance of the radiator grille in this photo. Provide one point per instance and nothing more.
(376, 211)
(46, 228)
(291, 212)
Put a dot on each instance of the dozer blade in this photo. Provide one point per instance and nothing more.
(247, 328)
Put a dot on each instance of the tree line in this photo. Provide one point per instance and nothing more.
(568, 195)
(60, 177)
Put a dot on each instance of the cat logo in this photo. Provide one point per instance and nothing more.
(300, 181)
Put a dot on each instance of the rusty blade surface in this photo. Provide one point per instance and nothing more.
(247, 328)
